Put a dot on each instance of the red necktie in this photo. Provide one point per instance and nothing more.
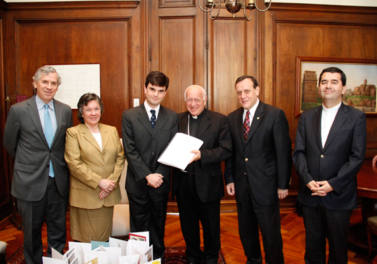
(246, 125)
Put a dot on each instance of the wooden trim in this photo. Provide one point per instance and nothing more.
(3, 5)
(323, 8)
(73, 5)
(181, 3)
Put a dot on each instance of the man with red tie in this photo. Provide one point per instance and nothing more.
(259, 171)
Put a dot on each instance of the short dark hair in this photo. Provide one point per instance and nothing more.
(157, 78)
(333, 70)
(83, 101)
(243, 77)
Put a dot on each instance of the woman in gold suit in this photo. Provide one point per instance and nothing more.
(95, 160)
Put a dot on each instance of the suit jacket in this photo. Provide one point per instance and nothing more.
(338, 162)
(26, 143)
(214, 131)
(144, 145)
(88, 165)
(265, 159)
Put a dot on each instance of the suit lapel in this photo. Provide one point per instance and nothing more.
(259, 113)
(339, 120)
(104, 135)
(239, 125)
(205, 123)
(34, 116)
(89, 137)
(161, 119)
(316, 123)
(144, 119)
(58, 116)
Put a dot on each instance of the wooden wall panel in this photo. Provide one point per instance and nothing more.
(79, 33)
(342, 42)
(177, 3)
(228, 63)
(83, 42)
(108, 33)
(316, 31)
(232, 44)
(177, 47)
(177, 58)
(5, 197)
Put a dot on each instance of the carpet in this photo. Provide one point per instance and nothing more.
(173, 255)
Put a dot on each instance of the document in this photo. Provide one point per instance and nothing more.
(178, 153)
(77, 79)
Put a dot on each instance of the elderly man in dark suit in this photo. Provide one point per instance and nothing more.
(35, 137)
(259, 171)
(329, 152)
(200, 187)
(147, 130)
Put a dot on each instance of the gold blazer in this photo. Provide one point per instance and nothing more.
(88, 165)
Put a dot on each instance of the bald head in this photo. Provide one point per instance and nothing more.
(195, 97)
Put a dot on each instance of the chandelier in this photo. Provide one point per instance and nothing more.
(233, 6)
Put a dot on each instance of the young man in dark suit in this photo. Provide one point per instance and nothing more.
(34, 137)
(146, 131)
(329, 152)
(200, 186)
(259, 171)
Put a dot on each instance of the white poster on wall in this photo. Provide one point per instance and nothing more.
(77, 80)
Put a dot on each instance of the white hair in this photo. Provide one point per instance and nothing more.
(204, 91)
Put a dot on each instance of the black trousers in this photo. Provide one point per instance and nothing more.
(252, 215)
(321, 223)
(191, 211)
(53, 208)
(148, 213)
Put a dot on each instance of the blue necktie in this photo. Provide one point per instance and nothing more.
(49, 134)
(153, 118)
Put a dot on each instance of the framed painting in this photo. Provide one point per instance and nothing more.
(360, 86)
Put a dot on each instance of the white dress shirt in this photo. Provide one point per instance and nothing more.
(328, 117)
(98, 138)
(41, 112)
(148, 109)
(252, 112)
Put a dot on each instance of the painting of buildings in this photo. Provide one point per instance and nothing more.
(361, 85)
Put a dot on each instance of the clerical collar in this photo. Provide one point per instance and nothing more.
(198, 116)
(332, 109)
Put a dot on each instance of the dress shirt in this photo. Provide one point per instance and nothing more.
(328, 116)
(148, 109)
(252, 112)
(98, 138)
(41, 112)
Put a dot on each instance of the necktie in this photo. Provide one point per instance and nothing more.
(246, 125)
(153, 118)
(49, 134)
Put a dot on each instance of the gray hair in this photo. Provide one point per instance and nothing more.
(46, 70)
(204, 91)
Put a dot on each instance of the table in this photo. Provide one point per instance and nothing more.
(367, 190)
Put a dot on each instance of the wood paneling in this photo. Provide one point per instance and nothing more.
(177, 49)
(110, 37)
(107, 33)
(177, 3)
(316, 31)
(83, 42)
(5, 198)
(129, 39)
(177, 58)
(231, 49)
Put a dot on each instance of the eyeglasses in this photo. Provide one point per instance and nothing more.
(196, 100)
